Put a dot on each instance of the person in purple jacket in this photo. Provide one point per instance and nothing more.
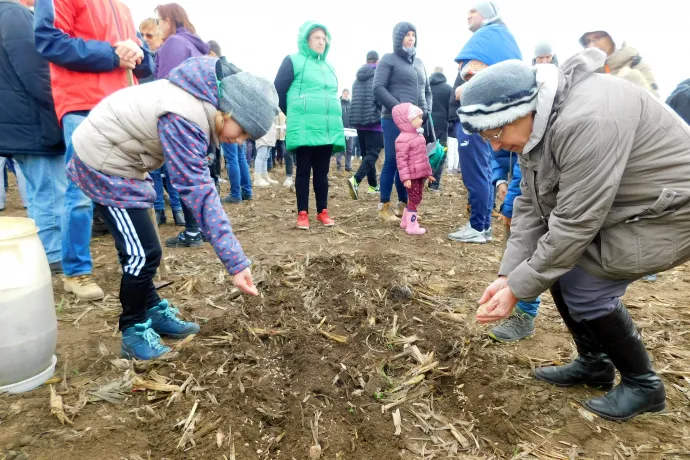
(132, 132)
(180, 43)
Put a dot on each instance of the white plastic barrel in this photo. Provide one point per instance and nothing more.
(28, 325)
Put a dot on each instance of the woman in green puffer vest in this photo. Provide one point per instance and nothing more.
(307, 88)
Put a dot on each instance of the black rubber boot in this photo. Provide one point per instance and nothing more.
(592, 367)
(178, 216)
(160, 217)
(640, 390)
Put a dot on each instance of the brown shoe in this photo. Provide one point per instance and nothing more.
(386, 214)
(83, 287)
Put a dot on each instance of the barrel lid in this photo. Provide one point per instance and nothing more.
(16, 227)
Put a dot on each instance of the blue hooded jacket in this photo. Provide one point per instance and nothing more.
(491, 44)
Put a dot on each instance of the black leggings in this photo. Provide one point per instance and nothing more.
(139, 251)
(308, 159)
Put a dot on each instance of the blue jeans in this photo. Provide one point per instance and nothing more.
(238, 171)
(160, 177)
(46, 183)
(475, 164)
(77, 217)
(389, 173)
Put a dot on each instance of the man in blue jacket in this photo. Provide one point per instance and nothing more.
(90, 45)
(490, 44)
(30, 131)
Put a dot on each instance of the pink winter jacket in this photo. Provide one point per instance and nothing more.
(410, 147)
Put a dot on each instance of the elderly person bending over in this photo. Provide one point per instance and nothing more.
(606, 200)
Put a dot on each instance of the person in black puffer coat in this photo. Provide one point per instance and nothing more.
(400, 77)
(349, 141)
(441, 91)
(365, 116)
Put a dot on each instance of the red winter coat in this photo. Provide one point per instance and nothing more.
(410, 147)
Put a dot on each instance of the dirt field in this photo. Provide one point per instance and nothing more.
(357, 327)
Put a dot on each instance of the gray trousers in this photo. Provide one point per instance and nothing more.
(589, 297)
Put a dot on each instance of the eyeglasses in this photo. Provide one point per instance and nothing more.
(495, 137)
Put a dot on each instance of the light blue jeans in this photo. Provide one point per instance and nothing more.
(77, 217)
(21, 184)
(46, 183)
(238, 171)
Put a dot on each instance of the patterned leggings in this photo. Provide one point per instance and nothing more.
(414, 194)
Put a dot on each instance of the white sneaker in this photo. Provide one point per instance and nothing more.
(288, 182)
(260, 182)
(489, 234)
(467, 234)
(269, 179)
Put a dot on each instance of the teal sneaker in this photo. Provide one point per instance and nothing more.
(142, 342)
(164, 321)
(352, 186)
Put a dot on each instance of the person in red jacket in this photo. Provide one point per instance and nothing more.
(90, 45)
(412, 160)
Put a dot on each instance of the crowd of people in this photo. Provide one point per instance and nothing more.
(582, 163)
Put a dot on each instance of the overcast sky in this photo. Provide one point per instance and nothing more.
(257, 35)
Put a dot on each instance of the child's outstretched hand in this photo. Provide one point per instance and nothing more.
(408, 183)
(243, 281)
(432, 179)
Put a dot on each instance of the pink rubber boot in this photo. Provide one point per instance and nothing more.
(404, 219)
(413, 227)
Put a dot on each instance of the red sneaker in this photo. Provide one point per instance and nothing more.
(303, 220)
(325, 219)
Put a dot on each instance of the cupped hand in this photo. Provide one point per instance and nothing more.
(499, 307)
(408, 183)
(500, 283)
(129, 51)
(244, 282)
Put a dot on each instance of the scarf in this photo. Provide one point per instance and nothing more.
(411, 52)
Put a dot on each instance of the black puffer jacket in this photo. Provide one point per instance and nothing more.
(364, 110)
(399, 79)
(679, 100)
(441, 90)
(28, 124)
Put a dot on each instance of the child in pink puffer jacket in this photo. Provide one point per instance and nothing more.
(413, 162)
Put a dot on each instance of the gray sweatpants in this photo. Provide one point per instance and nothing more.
(589, 297)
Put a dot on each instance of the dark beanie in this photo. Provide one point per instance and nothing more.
(372, 56)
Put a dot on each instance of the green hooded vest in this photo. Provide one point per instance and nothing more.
(314, 114)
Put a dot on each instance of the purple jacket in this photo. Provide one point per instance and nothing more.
(410, 147)
(178, 48)
(184, 147)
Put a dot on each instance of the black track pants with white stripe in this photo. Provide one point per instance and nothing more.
(139, 250)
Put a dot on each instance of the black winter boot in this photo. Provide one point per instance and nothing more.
(592, 367)
(178, 216)
(160, 217)
(640, 390)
